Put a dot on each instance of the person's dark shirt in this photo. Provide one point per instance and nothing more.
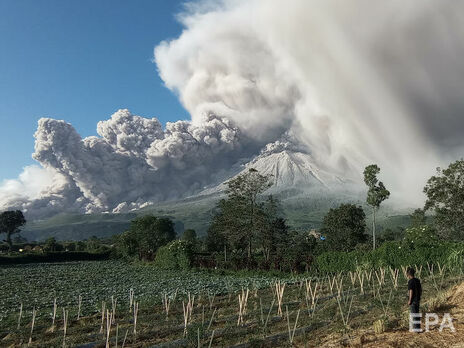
(415, 285)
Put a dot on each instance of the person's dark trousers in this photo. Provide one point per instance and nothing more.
(414, 308)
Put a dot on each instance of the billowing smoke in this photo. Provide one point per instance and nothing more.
(353, 82)
(134, 161)
(358, 81)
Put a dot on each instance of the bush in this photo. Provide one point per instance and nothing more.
(421, 236)
(337, 261)
(176, 255)
(392, 254)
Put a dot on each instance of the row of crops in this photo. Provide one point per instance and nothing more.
(113, 304)
(38, 285)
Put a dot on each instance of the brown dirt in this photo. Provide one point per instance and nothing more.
(404, 338)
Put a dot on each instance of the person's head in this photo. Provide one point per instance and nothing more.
(410, 272)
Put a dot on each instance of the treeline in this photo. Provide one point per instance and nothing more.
(51, 250)
(249, 231)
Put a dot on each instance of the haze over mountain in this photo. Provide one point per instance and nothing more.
(309, 91)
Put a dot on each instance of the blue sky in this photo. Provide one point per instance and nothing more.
(79, 61)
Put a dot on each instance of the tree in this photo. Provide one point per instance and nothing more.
(445, 197)
(237, 218)
(344, 227)
(376, 193)
(145, 235)
(10, 222)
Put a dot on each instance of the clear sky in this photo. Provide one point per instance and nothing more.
(80, 61)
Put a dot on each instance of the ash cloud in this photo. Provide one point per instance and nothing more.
(353, 82)
(132, 163)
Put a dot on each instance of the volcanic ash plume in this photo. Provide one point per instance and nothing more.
(359, 81)
(353, 82)
(133, 162)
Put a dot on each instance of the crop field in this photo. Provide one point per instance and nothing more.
(109, 304)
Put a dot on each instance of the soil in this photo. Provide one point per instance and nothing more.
(403, 338)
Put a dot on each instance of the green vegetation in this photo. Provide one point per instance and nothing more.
(376, 193)
(223, 308)
(145, 235)
(10, 222)
(176, 255)
(245, 281)
(345, 227)
(445, 198)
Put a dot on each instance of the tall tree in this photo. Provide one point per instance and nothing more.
(10, 222)
(238, 217)
(376, 193)
(344, 227)
(445, 196)
(243, 192)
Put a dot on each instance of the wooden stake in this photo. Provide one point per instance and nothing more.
(79, 303)
(20, 315)
(32, 325)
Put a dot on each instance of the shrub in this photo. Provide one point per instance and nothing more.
(175, 255)
(392, 254)
(421, 236)
(337, 261)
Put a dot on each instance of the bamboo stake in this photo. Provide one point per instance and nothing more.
(242, 303)
(20, 315)
(114, 304)
(211, 340)
(361, 282)
(109, 319)
(166, 303)
(404, 269)
(32, 325)
(294, 327)
(65, 325)
(125, 336)
(102, 316)
(353, 276)
(136, 312)
(279, 293)
(394, 277)
(339, 285)
(187, 311)
(331, 285)
(54, 315)
(211, 300)
(268, 315)
(345, 319)
(211, 320)
(79, 303)
(131, 298)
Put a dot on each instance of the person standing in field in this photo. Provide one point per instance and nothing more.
(414, 296)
